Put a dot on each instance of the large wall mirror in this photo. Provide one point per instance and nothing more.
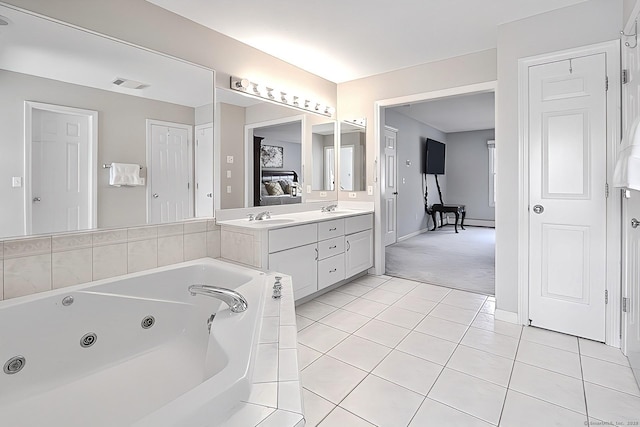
(73, 101)
(266, 151)
(353, 156)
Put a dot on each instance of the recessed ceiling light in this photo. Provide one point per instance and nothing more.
(130, 84)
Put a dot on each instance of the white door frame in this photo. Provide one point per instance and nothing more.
(248, 153)
(92, 153)
(612, 52)
(189, 128)
(378, 129)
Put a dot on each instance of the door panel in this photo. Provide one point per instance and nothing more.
(170, 174)
(204, 171)
(390, 187)
(567, 140)
(60, 172)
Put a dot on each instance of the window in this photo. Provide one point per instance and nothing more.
(491, 145)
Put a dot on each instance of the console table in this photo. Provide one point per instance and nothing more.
(457, 210)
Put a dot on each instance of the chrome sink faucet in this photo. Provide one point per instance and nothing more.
(329, 208)
(236, 302)
(263, 215)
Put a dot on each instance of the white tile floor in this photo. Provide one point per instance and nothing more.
(392, 352)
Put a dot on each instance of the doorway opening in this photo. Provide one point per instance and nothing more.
(60, 168)
(411, 245)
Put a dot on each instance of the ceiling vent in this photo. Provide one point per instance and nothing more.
(129, 84)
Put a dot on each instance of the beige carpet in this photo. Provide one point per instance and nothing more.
(462, 261)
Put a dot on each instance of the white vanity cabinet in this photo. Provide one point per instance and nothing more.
(358, 244)
(315, 254)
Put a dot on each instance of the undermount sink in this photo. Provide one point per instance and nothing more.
(273, 221)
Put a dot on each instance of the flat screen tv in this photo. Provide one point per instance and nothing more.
(434, 158)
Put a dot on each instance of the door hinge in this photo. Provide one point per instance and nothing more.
(606, 296)
(606, 190)
(606, 83)
(188, 185)
(624, 304)
(625, 77)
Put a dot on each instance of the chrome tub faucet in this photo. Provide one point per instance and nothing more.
(236, 302)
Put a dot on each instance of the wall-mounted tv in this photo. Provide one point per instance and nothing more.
(434, 157)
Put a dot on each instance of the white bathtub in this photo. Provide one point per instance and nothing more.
(172, 374)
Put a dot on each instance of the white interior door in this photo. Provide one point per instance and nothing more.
(204, 170)
(170, 197)
(329, 169)
(391, 187)
(346, 168)
(60, 172)
(567, 198)
(631, 323)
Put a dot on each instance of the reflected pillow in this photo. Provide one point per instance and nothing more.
(274, 188)
(286, 185)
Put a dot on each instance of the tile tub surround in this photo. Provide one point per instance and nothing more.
(276, 392)
(38, 264)
(437, 356)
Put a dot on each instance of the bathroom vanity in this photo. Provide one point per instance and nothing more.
(317, 249)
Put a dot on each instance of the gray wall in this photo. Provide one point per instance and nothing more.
(412, 134)
(468, 172)
(121, 138)
(231, 130)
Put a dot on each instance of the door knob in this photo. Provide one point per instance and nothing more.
(538, 209)
(635, 223)
(209, 194)
(155, 195)
(36, 199)
(395, 193)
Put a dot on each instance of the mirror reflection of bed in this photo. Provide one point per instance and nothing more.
(277, 164)
(279, 188)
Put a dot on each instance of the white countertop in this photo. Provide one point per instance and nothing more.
(291, 219)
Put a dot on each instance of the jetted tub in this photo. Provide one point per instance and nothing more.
(98, 362)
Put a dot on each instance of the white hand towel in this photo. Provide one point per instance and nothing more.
(125, 174)
(627, 171)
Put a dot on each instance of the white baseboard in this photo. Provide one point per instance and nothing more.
(480, 222)
(408, 236)
(506, 316)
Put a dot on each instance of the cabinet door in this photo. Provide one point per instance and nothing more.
(359, 252)
(330, 271)
(301, 264)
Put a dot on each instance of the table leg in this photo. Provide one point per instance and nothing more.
(433, 217)
(441, 220)
(456, 223)
(464, 213)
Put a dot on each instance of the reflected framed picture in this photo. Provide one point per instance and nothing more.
(271, 156)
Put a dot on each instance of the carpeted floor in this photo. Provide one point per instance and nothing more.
(462, 261)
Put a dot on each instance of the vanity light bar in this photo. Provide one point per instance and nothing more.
(280, 96)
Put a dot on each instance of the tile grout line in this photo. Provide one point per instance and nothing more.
(513, 367)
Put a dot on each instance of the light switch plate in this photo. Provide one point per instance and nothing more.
(228, 174)
(370, 190)
(229, 159)
(352, 195)
(308, 189)
(228, 189)
(16, 181)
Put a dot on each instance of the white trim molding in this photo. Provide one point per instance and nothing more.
(613, 279)
(506, 316)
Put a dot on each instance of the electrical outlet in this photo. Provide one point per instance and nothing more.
(228, 174)
(352, 195)
(323, 194)
(228, 189)
(370, 190)
(16, 181)
(229, 159)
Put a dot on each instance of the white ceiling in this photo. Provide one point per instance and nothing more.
(345, 40)
(454, 114)
(40, 47)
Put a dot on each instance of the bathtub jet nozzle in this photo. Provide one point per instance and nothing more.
(236, 302)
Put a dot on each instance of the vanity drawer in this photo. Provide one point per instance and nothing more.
(331, 247)
(329, 229)
(358, 223)
(330, 271)
(291, 237)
